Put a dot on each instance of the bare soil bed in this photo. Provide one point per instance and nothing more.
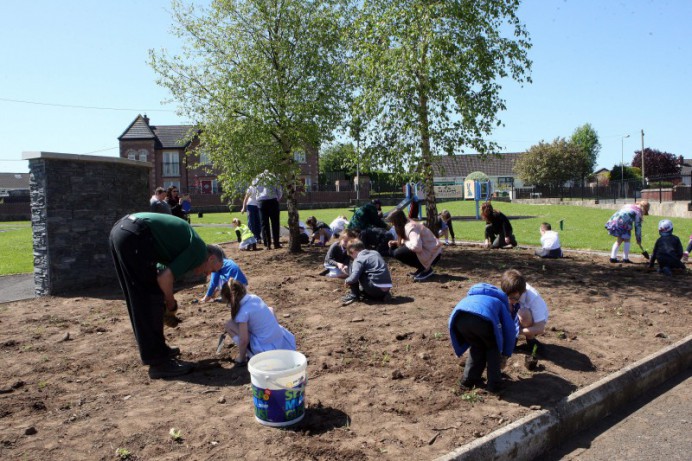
(383, 380)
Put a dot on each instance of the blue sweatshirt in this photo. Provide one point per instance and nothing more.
(490, 303)
(229, 270)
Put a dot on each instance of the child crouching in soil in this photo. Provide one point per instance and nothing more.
(369, 275)
(667, 250)
(246, 239)
(482, 323)
(337, 260)
(527, 306)
(253, 325)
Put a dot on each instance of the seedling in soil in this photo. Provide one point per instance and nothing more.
(437, 336)
(471, 397)
(123, 453)
(175, 434)
(530, 361)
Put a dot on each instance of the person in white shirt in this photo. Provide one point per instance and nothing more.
(338, 225)
(527, 307)
(550, 243)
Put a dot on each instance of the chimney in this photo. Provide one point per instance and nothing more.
(146, 119)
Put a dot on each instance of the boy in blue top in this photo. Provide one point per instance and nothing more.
(483, 323)
(229, 270)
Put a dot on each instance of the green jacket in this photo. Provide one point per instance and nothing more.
(176, 243)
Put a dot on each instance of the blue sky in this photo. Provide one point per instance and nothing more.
(621, 66)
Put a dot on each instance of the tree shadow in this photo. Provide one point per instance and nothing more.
(542, 389)
(210, 372)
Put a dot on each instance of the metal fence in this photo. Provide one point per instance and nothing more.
(661, 187)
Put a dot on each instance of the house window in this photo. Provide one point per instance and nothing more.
(132, 154)
(176, 184)
(299, 156)
(204, 158)
(143, 155)
(505, 181)
(171, 164)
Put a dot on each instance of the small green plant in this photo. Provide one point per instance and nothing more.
(175, 434)
(407, 348)
(534, 351)
(437, 336)
(471, 396)
(42, 384)
(123, 453)
(385, 358)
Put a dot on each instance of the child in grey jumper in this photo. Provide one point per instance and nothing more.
(369, 275)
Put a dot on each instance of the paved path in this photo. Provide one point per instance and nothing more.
(16, 287)
(656, 426)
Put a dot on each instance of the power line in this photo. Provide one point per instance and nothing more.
(71, 106)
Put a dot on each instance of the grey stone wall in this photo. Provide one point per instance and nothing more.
(75, 200)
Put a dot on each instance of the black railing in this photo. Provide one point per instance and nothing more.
(630, 189)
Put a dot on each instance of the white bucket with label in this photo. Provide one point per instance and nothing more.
(278, 387)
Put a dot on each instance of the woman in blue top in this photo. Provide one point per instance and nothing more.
(229, 270)
(482, 322)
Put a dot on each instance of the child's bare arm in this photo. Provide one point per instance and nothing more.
(244, 340)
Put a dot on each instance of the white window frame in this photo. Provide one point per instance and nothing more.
(300, 156)
(170, 167)
(204, 158)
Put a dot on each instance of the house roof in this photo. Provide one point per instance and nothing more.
(13, 181)
(462, 165)
(164, 136)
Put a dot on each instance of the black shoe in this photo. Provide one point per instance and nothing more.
(468, 384)
(387, 297)
(614, 260)
(495, 388)
(627, 261)
(349, 299)
(169, 368)
(277, 247)
(173, 351)
(423, 275)
(415, 273)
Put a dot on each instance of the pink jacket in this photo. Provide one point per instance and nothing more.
(423, 242)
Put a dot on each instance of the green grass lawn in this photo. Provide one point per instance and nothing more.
(582, 228)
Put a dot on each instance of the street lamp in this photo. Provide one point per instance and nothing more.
(622, 164)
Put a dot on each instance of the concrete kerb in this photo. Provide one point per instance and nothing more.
(535, 434)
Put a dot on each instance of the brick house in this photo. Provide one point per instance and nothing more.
(166, 147)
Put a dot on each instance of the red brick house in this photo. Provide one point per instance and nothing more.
(165, 146)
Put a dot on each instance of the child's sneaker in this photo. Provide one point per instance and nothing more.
(627, 261)
(665, 271)
(446, 242)
(349, 299)
(423, 275)
(614, 260)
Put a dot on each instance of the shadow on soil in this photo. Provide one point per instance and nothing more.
(319, 420)
(210, 372)
(567, 358)
(542, 389)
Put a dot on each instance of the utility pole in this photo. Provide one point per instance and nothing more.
(643, 175)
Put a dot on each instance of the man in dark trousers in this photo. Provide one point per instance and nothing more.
(268, 194)
(151, 250)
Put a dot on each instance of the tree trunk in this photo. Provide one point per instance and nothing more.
(426, 155)
(292, 208)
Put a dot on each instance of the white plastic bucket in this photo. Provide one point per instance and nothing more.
(278, 386)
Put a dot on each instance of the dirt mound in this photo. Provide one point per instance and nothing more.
(383, 380)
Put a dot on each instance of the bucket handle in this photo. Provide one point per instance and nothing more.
(280, 386)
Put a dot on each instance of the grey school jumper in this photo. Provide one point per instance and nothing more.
(370, 271)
